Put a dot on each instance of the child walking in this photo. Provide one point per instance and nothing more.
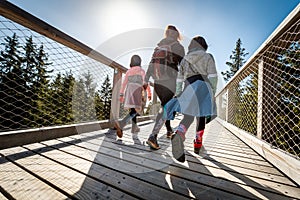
(131, 95)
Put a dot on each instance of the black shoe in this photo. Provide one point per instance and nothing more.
(169, 134)
(178, 147)
(152, 142)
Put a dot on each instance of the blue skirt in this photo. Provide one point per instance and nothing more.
(197, 100)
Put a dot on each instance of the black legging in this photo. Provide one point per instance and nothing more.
(131, 115)
(165, 91)
(188, 120)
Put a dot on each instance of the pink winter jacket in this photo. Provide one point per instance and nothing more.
(132, 86)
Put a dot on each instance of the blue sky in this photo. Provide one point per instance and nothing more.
(221, 22)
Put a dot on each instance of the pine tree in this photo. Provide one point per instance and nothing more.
(68, 82)
(98, 106)
(237, 60)
(41, 86)
(105, 99)
(12, 86)
(83, 105)
(37, 83)
(288, 102)
(55, 101)
(247, 103)
(60, 99)
(29, 67)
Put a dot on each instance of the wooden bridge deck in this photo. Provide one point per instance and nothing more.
(97, 166)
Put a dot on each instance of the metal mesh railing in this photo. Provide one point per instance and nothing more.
(44, 83)
(281, 103)
(264, 97)
(242, 98)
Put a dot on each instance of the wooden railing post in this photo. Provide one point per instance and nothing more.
(115, 103)
(260, 99)
(227, 105)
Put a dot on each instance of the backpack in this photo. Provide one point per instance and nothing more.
(162, 58)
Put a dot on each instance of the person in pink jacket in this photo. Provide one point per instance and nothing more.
(131, 94)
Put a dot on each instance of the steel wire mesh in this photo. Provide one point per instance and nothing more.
(273, 104)
(44, 83)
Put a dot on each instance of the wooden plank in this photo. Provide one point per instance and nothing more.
(68, 180)
(243, 170)
(252, 166)
(147, 173)
(216, 158)
(227, 151)
(253, 174)
(286, 163)
(2, 197)
(248, 159)
(225, 148)
(200, 177)
(234, 177)
(219, 136)
(235, 162)
(215, 146)
(121, 181)
(231, 156)
(20, 184)
(252, 170)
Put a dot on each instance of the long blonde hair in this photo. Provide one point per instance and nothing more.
(172, 31)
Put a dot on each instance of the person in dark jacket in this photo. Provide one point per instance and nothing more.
(165, 88)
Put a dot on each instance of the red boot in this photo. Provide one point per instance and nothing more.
(198, 141)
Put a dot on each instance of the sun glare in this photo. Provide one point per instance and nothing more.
(123, 16)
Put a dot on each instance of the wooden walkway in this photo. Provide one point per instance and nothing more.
(97, 166)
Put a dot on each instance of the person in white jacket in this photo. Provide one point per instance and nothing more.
(198, 72)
